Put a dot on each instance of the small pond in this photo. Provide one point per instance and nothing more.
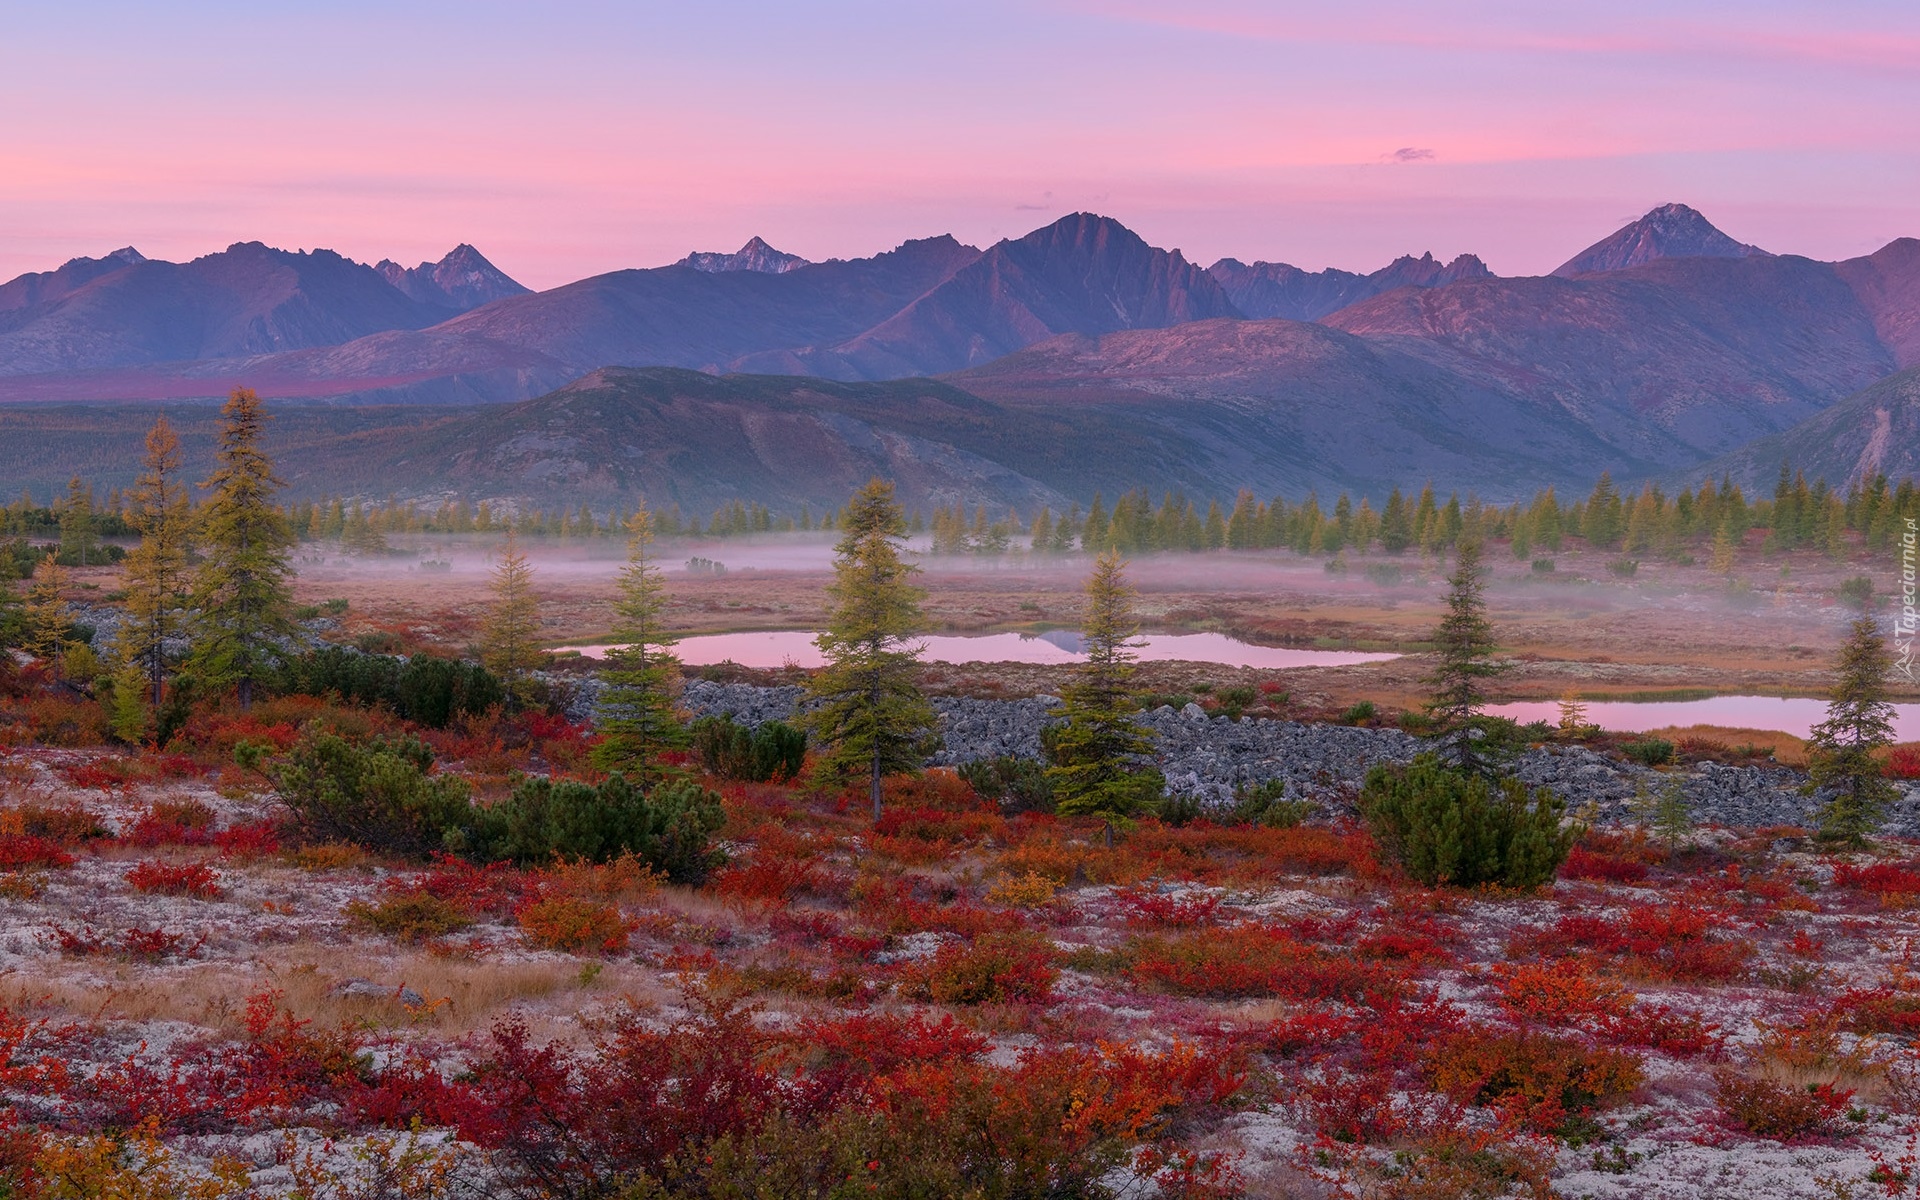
(777, 648)
(1795, 715)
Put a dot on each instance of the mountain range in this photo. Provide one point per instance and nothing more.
(1665, 346)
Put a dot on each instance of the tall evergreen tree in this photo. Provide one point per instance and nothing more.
(872, 718)
(1464, 643)
(156, 569)
(1841, 750)
(637, 712)
(509, 640)
(1094, 747)
(241, 588)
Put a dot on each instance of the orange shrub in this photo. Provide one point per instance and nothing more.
(67, 825)
(1537, 1079)
(1768, 1108)
(58, 720)
(1558, 993)
(996, 968)
(939, 788)
(571, 924)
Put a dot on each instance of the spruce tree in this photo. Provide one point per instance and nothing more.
(509, 645)
(156, 569)
(1666, 813)
(637, 712)
(241, 589)
(1094, 748)
(1841, 750)
(1464, 644)
(872, 718)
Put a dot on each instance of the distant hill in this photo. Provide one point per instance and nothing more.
(1082, 274)
(1887, 284)
(1674, 360)
(128, 310)
(1263, 289)
(1670, 231)
(1285, 406)
(1659, 348)
(1875, 430)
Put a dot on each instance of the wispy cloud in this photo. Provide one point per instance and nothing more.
(1410, 154)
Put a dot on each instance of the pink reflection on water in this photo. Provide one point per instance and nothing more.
(1794, 715)
(778, 648)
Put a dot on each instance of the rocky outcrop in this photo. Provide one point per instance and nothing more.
(1209, 758)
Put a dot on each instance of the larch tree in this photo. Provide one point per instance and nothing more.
(1464, 644)
(156, 569)
(871, 718)
(636, 714)
(12, 624)
(1095, 748)
(79, 528)
(241, 588)
(46, 613)
(1842, 751)
(509, 644)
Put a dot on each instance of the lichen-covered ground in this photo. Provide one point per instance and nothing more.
(193, 995)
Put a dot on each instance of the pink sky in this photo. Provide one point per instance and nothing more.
(569, 139)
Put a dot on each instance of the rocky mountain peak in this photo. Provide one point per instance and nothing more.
(756, 255)
(1670, 231)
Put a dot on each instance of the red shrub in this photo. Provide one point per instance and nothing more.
(1411, 947)
(1879, 879)
(22, 851)
(187, 879)
(999, 968)
(1146, 908)
(943, 826)
(835, 1060)
(1253, 960)
(1599, 866)
(772, 879)
(1903, 762)
(256, 839)
(1893, 1009)
(1312, 1030)
(496, 889)
(1664, 941)
(135, 944)
(174, 823)
(99, 775)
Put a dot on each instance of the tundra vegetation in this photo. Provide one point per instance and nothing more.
(398, 927)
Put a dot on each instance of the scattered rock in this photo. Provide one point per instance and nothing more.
(366, 989)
